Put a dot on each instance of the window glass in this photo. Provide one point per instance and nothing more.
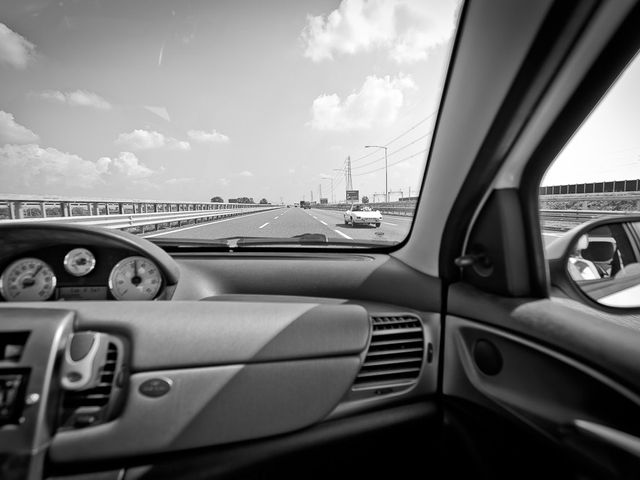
(598, 172)
(127, 107)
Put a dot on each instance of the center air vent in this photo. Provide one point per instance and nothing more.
(395, 354)
(95, 405)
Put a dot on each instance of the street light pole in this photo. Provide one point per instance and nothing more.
(386, 171)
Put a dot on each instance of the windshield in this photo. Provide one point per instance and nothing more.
(211, 120)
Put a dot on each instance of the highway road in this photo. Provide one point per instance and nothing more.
(288, 222)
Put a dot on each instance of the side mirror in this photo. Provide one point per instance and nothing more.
(599, 259)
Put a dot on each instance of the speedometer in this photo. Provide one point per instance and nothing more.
(135, 278)
(27, 280)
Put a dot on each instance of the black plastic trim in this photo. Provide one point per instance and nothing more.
(618, 53)
(559, 32)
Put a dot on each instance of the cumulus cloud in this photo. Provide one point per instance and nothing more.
(15, 50)
(376, 103)
(77, 98)
(126, 164)
(206, 137)
(179, 181)
(26, 166)
(224, 181)
(12, 132)
(406, 28)
(33, 168)
(146, 140)
(246, 173)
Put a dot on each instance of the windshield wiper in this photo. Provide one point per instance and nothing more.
(241, 242)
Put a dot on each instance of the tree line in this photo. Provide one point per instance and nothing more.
(217, 199)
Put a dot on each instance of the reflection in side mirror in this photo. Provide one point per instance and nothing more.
(604, 262)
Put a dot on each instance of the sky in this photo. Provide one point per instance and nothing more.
(186, 100)
(607, 145)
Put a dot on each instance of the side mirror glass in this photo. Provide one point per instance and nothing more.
(602, 260)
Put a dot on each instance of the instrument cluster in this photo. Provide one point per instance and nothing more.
(79, 273)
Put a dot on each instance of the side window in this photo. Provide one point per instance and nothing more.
(597, 176)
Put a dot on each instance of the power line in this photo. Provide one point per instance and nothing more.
(410, 129)
(395, 151)
(392, 164)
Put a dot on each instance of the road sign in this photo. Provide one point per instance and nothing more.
(353, 195)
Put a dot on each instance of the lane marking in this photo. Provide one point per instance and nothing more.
(200, 225)
(275, 218)
(262, 226)
(345, 236)
(324, 223)
(388, 223)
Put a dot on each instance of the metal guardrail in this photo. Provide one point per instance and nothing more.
(550, 219)
(15, 206)
(139, 216)
(566, 219)
(385, 208)
(123, 221)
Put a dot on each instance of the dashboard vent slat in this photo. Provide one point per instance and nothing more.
(99, 395)
(395, 354)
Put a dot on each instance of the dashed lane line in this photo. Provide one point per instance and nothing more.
(262, 226)
(324, 223)
(345, 236)
(175, 230)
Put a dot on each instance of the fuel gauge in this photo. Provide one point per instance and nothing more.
(79, 262)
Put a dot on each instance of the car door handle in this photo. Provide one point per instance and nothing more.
(623, 441)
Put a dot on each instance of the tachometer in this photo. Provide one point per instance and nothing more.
(27, 280)
(135, 278)
(79, 262)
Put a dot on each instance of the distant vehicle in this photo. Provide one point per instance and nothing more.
(288, 206)
(362, 215)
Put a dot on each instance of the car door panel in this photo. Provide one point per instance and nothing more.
(564, 374)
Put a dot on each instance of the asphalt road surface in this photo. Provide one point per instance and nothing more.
(289, 222)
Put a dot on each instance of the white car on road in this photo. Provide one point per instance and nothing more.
(362, 215)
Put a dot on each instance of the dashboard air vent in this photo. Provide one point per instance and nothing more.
(395, 354)
(89, 407)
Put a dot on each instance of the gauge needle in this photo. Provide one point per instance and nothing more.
(29, 282)
(136, 280)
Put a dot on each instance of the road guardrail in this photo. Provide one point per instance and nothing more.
(134, 215)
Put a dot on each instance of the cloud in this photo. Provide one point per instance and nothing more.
(161, 112)
(179, 181)
(406, 28)
(15, 50)
(292, 170)
(126, 164)
(246, 173)
(78, 98)
(224, 181)
(205, 137)
(12, 132)
(25, 166)
(146, 140)
(376, 103)
(31, 168)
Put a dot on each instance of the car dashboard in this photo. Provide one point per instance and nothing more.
(257, 344)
